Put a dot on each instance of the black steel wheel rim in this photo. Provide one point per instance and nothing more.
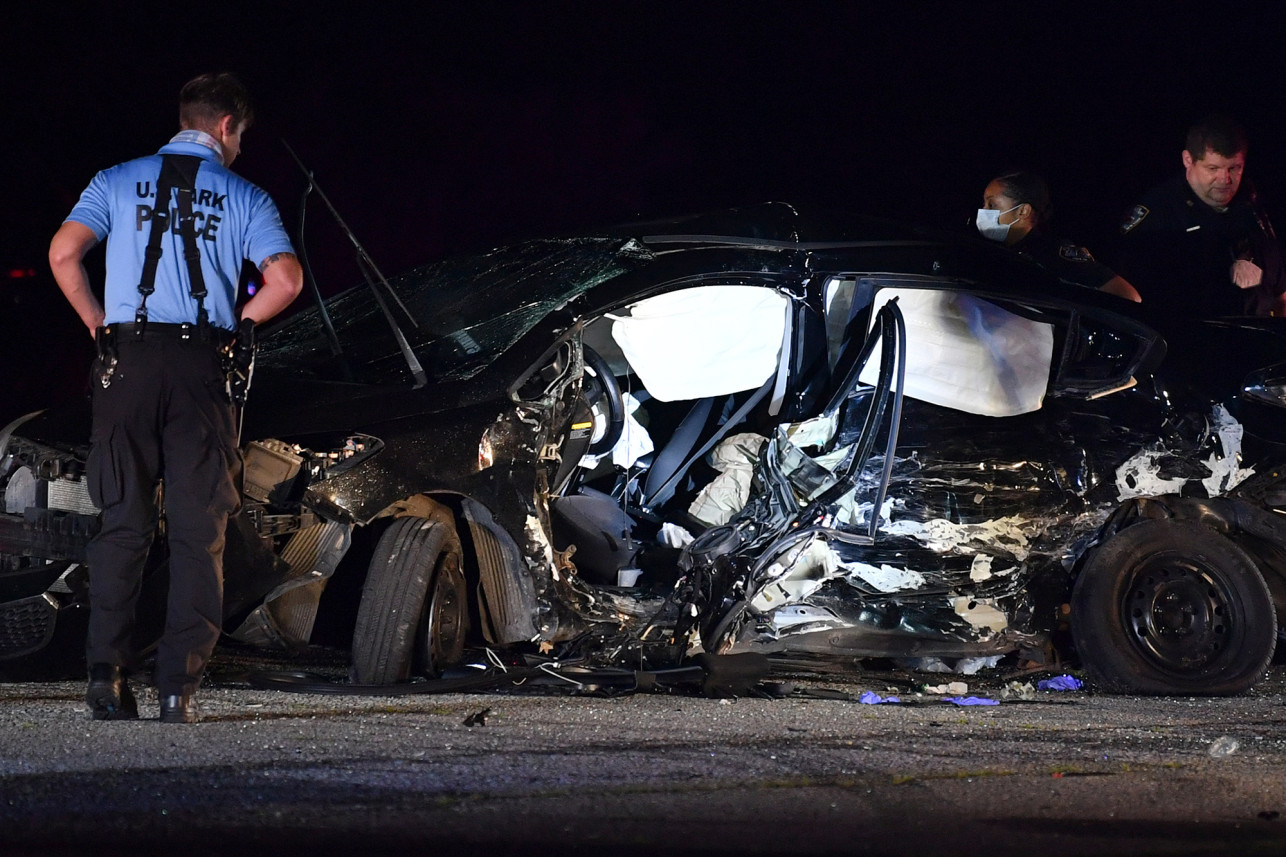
(1179, 615)
(445, 619)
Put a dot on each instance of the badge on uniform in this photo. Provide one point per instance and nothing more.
(1074, 252)
(1135, 218)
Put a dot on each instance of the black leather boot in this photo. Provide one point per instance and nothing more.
(179, 708)
(108, 695)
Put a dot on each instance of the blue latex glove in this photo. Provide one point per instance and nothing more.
(970, 700)
(1062, 682)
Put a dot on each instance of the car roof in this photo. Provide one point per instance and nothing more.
(459, 314)
(772, 224)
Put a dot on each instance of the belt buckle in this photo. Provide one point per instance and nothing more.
(185, 331)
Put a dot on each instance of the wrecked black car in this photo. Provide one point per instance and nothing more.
(750, 431)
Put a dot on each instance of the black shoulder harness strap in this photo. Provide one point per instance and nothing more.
(177, 172)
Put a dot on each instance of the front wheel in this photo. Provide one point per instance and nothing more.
(413, 612)
(1169, 607)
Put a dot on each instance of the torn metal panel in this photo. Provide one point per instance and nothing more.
(286, 616)
(1007, 536)
(885, 578)
(982, 613)
(1143, 475)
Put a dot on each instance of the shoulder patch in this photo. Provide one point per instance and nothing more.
(1074, 252)
(1134, 218)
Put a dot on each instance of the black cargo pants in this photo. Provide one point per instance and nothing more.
(165, 417)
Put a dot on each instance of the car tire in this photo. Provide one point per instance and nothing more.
(413, 602)
(1168, 607)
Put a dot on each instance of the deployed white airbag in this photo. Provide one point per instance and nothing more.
(635, 441)
(708, 341)
(969, 354)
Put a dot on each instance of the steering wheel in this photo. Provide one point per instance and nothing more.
(603, 394)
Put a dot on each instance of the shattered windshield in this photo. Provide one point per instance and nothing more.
(463, 312)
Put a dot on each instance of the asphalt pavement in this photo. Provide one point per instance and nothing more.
(538, 770)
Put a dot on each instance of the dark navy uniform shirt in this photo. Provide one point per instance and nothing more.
(1178, 252)
(1066, 260)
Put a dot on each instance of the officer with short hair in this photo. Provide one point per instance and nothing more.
(1199, 245)
(178, 226)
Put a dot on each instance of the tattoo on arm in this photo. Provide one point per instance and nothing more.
(275, 257)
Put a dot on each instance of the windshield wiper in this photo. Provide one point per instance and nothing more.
(370, 271)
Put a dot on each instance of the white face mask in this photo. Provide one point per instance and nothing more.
(990, 226)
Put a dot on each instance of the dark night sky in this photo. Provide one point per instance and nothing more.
(452, 129)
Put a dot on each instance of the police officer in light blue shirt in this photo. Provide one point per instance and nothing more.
(233, 219)
(178, 226)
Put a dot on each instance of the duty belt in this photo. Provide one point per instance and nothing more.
(236, 348)
(217, 336)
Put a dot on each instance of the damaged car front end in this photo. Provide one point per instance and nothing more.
(743, 432)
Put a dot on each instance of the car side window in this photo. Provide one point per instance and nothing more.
(1100, 357)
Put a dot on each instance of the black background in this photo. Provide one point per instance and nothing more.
(462, 126)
